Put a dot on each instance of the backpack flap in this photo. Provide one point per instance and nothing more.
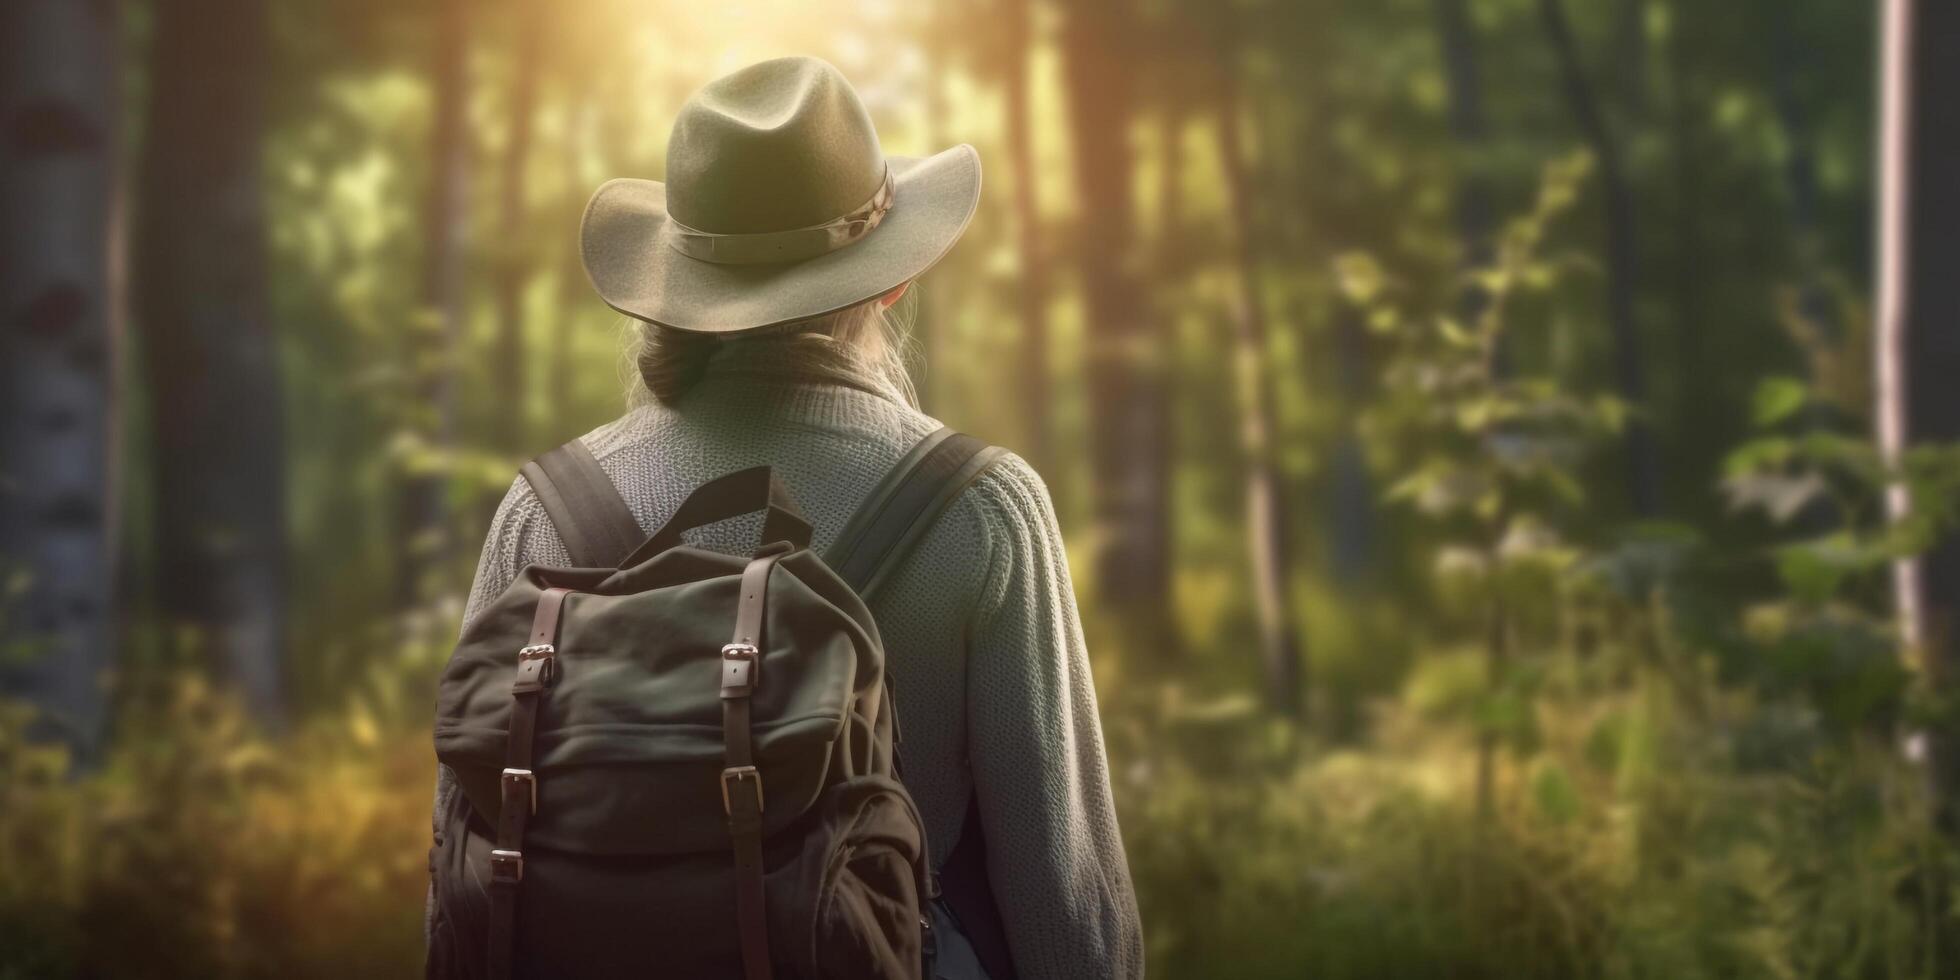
(629, 743)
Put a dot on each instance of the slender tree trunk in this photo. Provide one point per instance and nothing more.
(1813, 300)
(1685, 317)
(1033, 293)
(200, 273)
(1918, 338)
(1351, 506)
(1125, 376)
(60, 286)
(423, 535)
(510, 388)
(1172, 260)
(1630, 56)
(1643, 464)
(933, 306)
(573, 290)
(1800, 169)
(1475, 216)
(1352, 492)
(1268, 524)
(1497, 660)
(1475, 210)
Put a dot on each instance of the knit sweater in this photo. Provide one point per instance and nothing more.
(979, 625)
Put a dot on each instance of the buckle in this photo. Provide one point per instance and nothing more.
(740, 774)
(535, 668)
(506, 867)
(522, 776)
(741, 669)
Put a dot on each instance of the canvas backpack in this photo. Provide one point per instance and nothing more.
(676, 762)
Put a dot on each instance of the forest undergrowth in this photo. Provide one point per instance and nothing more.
(1637, 828)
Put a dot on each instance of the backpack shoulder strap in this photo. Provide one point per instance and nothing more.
(585, 507)
(900, 509)
(890, 522)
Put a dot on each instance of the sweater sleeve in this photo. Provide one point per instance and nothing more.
(1054, 854)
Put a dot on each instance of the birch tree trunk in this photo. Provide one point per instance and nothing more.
(60, 283)
(1918, 337)
(209, 345)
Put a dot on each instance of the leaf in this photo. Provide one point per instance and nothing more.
(1779, 398)
(1779, 495)
(1814, 571)
(1529, 540)
(1360, 276)
(1552, 789)
(1440, 489)
(1455, 562)
(1477, 414)
(1611, 413)
(1456, 334)
(1757, 454)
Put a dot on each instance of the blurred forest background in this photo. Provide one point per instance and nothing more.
(1463, 414)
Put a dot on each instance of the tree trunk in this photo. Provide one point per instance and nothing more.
(1800, 170)
(1352, 495)
(1475, 210)
(1128, 421)
(1033, 293)
(1497, 659)
(512, 256)
(1268, 527)
(1685, 237)
(422, 535)
(1918, 337)
(934, 312)
(60, 285)
(573, 290)
(1622, 273)
(1630, 56)
(213, 365)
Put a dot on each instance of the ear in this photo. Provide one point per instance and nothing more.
(892, 297)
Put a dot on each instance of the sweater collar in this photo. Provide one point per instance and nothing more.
(793, 360)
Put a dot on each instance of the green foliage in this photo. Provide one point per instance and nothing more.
(202, 847)
(1362, 864)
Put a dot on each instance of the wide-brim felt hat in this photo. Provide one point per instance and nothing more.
(779, 206)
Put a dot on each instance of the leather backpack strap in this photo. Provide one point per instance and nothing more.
(536, 664)
(741, 781)
(904, 505)
(592, 519)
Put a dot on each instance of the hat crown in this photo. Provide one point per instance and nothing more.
(779, 145)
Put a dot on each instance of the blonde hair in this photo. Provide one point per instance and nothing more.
(868, 339)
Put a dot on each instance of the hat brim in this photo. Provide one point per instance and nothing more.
(623, 242)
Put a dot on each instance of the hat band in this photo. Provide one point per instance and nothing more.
(795, 245)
